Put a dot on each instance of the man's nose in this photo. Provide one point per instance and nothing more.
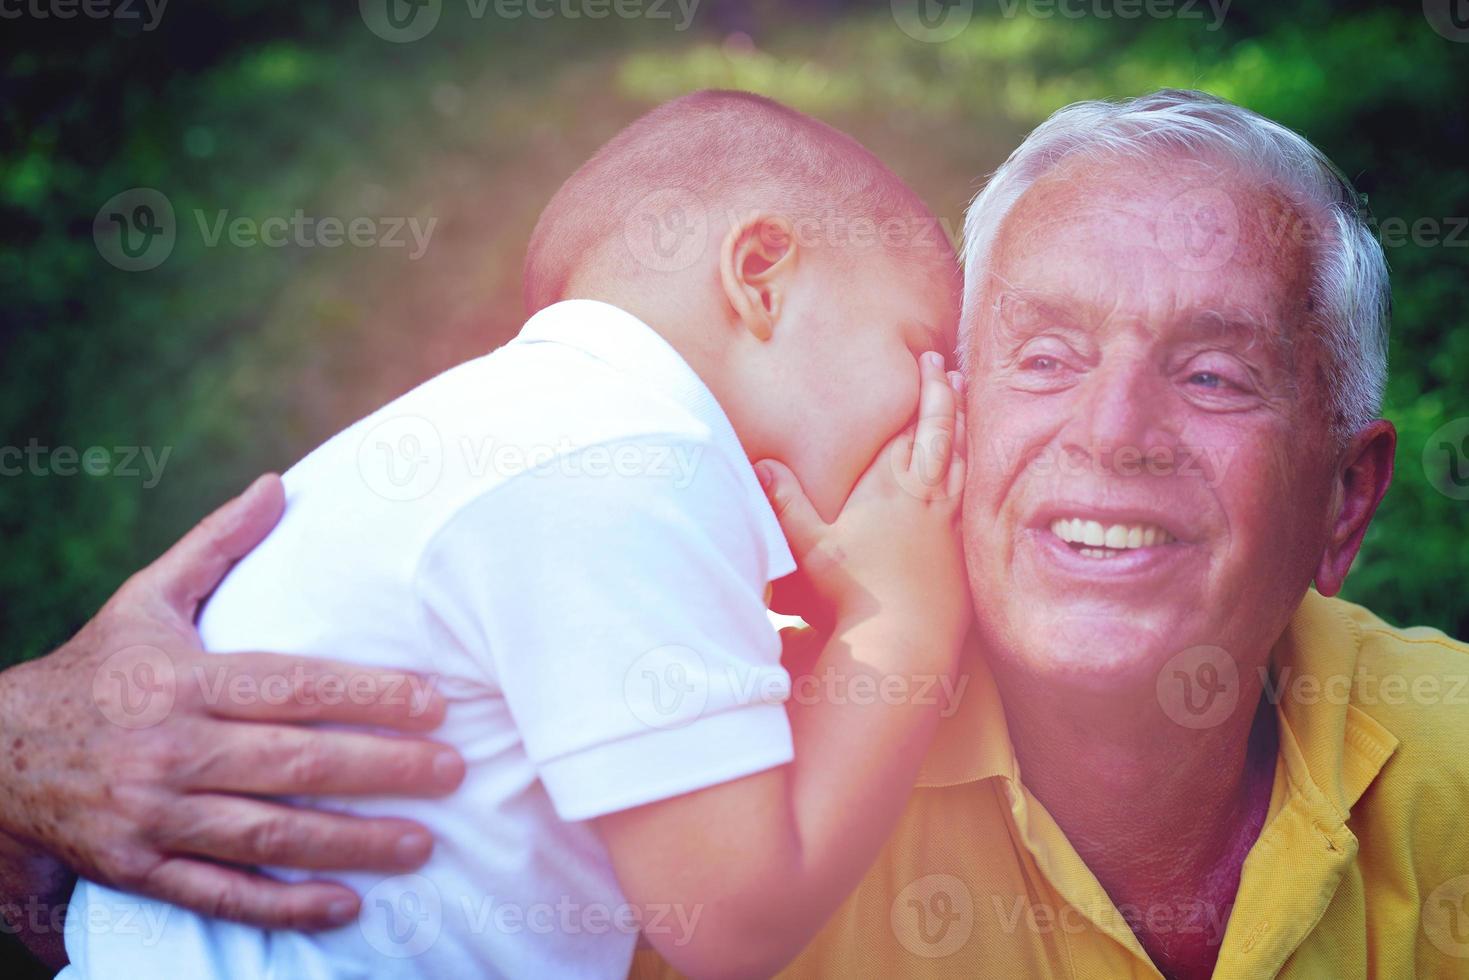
(1122, 416)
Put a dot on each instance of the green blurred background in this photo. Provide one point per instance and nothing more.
(237, 360)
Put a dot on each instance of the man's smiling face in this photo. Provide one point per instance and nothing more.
(1151, 465)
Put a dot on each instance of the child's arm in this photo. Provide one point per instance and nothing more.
(764, 860)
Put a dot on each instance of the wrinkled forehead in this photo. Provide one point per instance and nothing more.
(1154, 239)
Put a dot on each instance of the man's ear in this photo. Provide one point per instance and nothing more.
(755, 264)
(1366, 471)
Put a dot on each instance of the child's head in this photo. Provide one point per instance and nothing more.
(797, 274)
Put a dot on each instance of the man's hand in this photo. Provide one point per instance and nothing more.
(126, 757)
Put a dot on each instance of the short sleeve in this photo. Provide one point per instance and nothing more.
(619, 610)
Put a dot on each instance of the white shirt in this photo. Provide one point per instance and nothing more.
(568, 532)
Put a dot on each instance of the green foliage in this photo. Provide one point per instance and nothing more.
(240, 359)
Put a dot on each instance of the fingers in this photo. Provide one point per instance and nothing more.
(190, 570)
(241, 896)
(955, 482)
(961, 433)
(956, 381)
(243, 831)
(270, 760)
(289, 689)
(934, 433)
(803, 527)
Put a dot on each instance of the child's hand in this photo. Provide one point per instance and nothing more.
(894, 551)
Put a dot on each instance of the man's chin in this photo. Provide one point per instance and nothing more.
(1087, 648)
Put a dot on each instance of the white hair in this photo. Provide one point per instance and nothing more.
(1349, 292)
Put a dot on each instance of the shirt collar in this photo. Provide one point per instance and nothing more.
(629, 346)
(1330, 752)
(1330, 749)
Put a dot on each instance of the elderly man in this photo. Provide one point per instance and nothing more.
(1174, 338)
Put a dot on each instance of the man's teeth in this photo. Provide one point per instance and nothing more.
(1100, 540)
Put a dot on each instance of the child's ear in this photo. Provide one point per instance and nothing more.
(755, 264)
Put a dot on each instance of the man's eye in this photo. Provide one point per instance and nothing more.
(1208, 379)
(1041, 362)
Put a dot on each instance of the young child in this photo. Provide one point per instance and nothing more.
(569, 533)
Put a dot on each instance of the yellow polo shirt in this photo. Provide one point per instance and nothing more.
(1361, 869)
